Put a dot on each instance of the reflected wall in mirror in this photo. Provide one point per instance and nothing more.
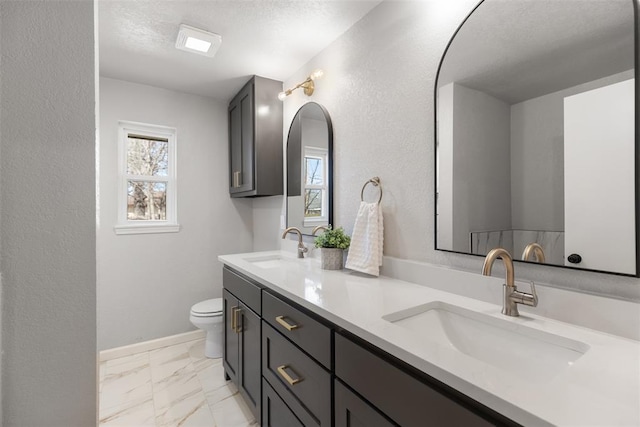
(536, 133)
(310, 169)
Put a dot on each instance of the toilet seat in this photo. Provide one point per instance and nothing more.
(207, 308)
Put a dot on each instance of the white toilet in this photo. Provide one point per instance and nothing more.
(207, 315)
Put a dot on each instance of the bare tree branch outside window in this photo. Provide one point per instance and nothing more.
(147, 199)
(313, 197)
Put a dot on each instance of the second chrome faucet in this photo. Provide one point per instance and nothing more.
(511, 295)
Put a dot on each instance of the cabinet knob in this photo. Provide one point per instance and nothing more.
(574, 259)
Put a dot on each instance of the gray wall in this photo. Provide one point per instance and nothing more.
(378, 89)
(147, 283)
(482, 166)
(47, 169)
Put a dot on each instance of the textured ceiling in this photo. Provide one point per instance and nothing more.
(271, 38)
(518, 50)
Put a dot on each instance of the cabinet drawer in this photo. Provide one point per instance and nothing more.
(275, 413)
(243, 289)
(406, 400)
(303, 384)
(351, 411)
(306, 332)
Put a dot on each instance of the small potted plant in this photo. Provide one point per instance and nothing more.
(332, 243)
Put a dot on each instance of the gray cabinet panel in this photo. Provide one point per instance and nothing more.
(241, 355)
(406, 400)
(275, 413)
(249, 382)
(255, 140)
(245, 291)
(309, 334)
(230, 357)
(310, 390)
(351, 411)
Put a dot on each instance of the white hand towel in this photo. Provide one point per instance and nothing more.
(365, 251)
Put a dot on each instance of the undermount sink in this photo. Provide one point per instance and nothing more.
(506, 345)
(267, 261)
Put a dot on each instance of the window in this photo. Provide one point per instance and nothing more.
(315, 186)
(147, 179)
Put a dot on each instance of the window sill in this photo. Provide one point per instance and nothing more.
(146, 228)
(315, 221)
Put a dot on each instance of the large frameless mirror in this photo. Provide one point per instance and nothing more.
(310, 169)
(536, 135)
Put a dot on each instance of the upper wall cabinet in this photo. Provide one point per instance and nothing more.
(255, 140)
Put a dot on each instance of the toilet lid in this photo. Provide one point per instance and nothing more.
(210, 306)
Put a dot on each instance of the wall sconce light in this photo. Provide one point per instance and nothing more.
(307, 85)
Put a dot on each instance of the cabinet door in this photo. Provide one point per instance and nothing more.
(250, 375)
(275, 412)
(241, 137)
(231, 337)
(351, 411)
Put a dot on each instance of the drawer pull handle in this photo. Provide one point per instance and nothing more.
(235, 324)
(287, 325)
(287, 377)
(233, 318)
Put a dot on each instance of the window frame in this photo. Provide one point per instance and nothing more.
(323, 155)
(170, 224)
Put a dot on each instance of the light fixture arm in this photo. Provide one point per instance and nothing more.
(307, 86)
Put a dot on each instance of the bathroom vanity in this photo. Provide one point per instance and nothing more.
(340, 349)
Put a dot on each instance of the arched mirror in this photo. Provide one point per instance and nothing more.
(537, 134)
(310, 169)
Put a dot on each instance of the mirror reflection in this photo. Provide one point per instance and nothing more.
(309, 169)
(535, 135)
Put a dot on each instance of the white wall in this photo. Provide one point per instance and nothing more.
(47, 105)
(537, 157)
(148, 282)
(378, 89)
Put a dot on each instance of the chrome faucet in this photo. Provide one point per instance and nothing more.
(511, 295)
(302, 249)
(533, 249)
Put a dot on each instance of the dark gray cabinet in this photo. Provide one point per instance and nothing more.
(352, 411)
(241, 356)
(301, 370)
(301, 329)
(407, 399)
(255, 140)
(275, 412)
(300, 381)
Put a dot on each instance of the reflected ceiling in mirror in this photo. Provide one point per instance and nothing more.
(310, 169)
(536, 133)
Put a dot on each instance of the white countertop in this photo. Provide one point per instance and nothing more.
(601, 388)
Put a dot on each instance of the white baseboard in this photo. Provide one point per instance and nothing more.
(127, 350)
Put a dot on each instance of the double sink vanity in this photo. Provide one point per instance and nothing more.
(308, 347)
(535, 147)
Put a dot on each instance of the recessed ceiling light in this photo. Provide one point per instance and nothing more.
(198, 41)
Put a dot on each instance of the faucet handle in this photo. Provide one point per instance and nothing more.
(525, 298)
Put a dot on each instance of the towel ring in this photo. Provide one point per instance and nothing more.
(376, 183)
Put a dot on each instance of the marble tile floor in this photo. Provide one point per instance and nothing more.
(170, 387)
